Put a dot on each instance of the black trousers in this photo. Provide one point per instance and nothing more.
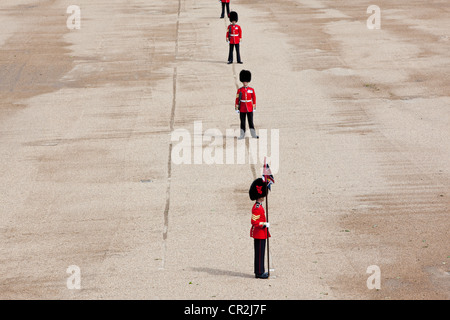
(249, 116)
(260, 249)
(223, 9)
(230, 53)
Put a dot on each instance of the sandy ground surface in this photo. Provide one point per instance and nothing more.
(88, 178)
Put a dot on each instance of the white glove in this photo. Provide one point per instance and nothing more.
(264, 224)
(237, 111)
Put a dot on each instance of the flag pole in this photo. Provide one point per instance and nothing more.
(267, 175)
(267, 220)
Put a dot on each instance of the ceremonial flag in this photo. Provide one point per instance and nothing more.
(267, 175)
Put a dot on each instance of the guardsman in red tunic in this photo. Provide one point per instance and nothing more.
(225, 3)
(234, 36)
(245, 103)
(259, 229)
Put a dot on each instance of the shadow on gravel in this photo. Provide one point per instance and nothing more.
(219, 272)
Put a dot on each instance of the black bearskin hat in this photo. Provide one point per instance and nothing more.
(233, 16)
(257, 189)
(245, 76)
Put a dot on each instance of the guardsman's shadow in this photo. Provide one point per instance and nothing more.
(219, 272)
(208, 61)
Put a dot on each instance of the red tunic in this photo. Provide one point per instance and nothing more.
(245, 99)
(235, 35)
(258, 215)
(226, 1)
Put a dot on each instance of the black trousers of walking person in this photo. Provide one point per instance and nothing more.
(225, 4)
(260, 249)
(249, 116)
(230, 53)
